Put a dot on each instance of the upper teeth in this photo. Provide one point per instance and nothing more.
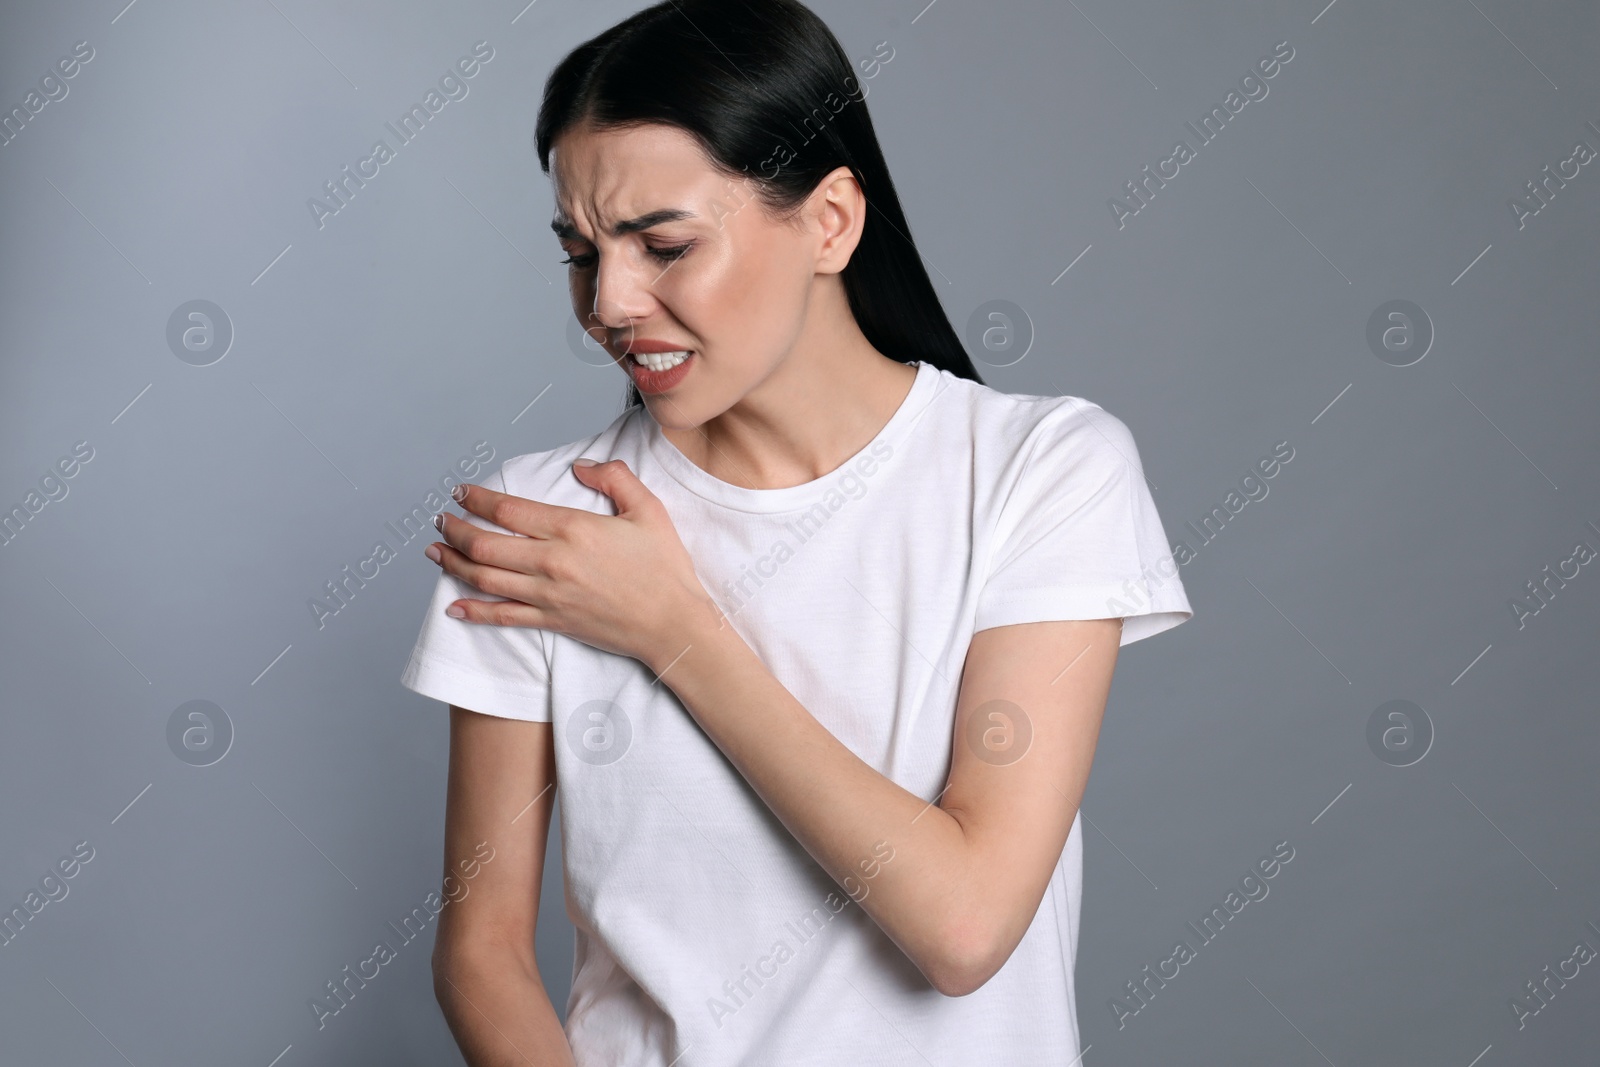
(660, 360)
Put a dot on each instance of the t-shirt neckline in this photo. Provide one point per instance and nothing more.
(789, 498)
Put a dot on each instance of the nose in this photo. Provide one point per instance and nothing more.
(622, 295)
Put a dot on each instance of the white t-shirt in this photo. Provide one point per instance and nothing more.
(706, 935)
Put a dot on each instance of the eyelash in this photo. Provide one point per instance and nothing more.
(665, 255)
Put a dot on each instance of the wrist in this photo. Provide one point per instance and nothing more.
(692, 624)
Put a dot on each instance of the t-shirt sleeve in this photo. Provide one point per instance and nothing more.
(1078, 535)
(495, 670)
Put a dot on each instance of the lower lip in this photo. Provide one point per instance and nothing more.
(658, 381)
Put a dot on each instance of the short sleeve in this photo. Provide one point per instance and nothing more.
(495, 670)
(1078, 536)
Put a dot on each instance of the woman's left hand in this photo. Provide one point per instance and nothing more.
(622, 583)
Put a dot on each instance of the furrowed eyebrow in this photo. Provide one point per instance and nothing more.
(566, 230)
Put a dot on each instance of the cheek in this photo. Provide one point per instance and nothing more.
(748, 298)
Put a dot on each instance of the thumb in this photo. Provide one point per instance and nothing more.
(618, 482)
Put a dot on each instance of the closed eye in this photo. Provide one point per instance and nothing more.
(665, 255)
(670, 255)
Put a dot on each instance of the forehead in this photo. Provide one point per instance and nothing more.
(601, 177)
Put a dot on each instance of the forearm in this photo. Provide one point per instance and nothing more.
(837, 806)
(499, 1012)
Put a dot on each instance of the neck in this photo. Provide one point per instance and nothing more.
(821, 404)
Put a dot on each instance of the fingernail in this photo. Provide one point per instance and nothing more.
(585, 461)
(438, 522)
(455, 612)
(459, 492)
(433, 553)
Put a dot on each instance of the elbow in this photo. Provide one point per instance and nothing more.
(968, 957)
(448, 969)
(464, 961)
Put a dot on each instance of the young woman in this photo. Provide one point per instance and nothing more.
(814, 638)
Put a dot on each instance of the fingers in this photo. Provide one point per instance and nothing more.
(507, 550)
(474, 561)
(520, 515)
(497, 613)
(511, 611)
(617, 481)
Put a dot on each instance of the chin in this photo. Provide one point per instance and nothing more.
(675, 414)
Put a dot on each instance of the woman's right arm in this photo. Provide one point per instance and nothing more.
(501, 791)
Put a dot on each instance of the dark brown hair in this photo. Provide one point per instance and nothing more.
(749, 80)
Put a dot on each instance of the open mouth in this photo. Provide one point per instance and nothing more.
(658, 361)
(657, 372)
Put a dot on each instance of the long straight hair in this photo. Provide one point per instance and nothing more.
(772, 98)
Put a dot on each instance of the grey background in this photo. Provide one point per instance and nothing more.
(1230, 314)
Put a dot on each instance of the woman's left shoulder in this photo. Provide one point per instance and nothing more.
(1063, 431)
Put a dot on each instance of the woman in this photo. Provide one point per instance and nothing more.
(814, 639)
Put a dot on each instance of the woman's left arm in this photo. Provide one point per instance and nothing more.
(966, 871)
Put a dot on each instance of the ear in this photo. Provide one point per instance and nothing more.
(840, 208)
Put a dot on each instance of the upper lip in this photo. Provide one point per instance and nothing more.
(648, 345)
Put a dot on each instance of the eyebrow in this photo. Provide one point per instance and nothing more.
(566, 230)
